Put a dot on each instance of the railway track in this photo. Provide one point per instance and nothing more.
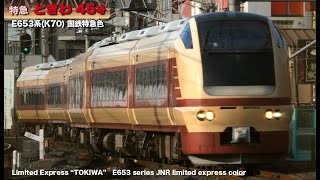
(111, 163)
(7, 146)
(272, 175)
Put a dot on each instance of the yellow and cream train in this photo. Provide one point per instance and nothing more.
(213, 88)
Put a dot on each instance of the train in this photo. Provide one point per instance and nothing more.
(209, 89)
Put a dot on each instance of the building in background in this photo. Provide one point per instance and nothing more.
(287, 14)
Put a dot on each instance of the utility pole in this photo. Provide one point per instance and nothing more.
(234, 5)
(21, 55)
(212, 6)
(15, 122)
(87, 39)
(44, 45)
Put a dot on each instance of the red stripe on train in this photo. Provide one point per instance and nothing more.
(141, 127)
(209, 143)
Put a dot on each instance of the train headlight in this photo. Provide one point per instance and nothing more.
(277, 114)
(201, 115)
(210, 115)
(268, 114)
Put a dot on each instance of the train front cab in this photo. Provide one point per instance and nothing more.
(234, 93)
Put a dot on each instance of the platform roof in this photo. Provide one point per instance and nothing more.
(293, 35)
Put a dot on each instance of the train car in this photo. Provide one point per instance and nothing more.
(56, 92)
(31, 94)
(211, 89)
(232, 71)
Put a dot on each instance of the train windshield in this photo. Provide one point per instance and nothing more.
(234, 36)
(236, 54)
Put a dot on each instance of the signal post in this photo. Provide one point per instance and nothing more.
(25, 48)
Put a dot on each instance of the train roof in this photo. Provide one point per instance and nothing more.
(153, 31)
(229, 15)
(57, 64)
(130, 36)
(32, 73)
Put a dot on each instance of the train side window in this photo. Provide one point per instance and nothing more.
(122, 87)
(96, 87)
(186, 37)
(21, 98)
(81, 91)
(119, 94)
(56, 95)
(112, 86)
(154, 84)
(104, 86)
(49, 95)
(60, 94)
(36, 97)
(101, 87)
(32, 97)
(93, 97)
(137, 84)
(164, 81)
(26, 97)
(97, 78)
(142, 84)
(159, 69)
(76, 91)
(41, 97)
(145, 75)
(109, 83)
(149, 79)
(116, 87)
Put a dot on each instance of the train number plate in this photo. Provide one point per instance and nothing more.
(240, 135)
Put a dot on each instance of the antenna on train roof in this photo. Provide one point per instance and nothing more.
(152, 31)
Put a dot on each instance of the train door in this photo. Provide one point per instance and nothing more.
(150, 88)
(131, 74)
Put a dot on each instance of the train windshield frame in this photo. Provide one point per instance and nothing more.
(237, 57)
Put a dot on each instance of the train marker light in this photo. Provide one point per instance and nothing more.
(277, 114)
(201, 115)
(210, 115)
(268, 114)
